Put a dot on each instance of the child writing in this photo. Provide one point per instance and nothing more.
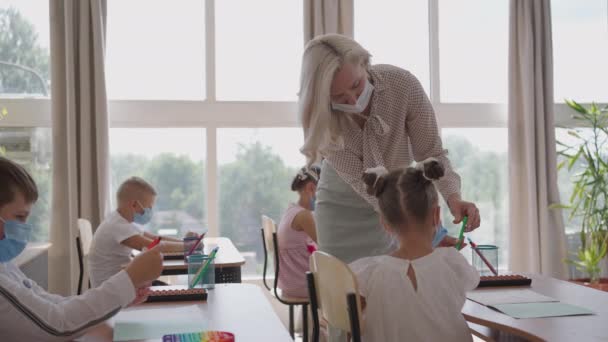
(117, 236)
(297, 235)
(415, 293)
(28, 312)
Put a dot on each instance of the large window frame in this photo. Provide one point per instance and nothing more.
(212, 114)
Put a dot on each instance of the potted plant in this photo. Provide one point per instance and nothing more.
(589, 200)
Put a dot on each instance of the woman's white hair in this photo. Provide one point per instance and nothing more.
(323, 56)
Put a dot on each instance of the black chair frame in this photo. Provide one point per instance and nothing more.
(351, 301)
(273, 289)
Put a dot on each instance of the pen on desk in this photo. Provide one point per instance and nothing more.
(474, 246)
(461, 235)
(154, 243)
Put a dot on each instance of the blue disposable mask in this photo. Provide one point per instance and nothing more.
(16, 236)
(362, 101)
(313, 201)
(144, 218)
(440, 233)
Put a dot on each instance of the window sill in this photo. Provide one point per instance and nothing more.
(31, 252)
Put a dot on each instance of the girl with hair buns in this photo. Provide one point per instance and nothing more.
(356, 116)
(297, 234)
(416, 293)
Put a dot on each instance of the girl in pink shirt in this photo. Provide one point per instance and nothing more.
(297, 235)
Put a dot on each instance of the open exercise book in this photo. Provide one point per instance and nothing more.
(524, 303)
(134, 324)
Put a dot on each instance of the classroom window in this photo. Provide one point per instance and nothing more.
(479, 156)
(32, 148)
(396, 32)
(24, 48)
(580, 50)
(259, 48)
(256, 167)
(173, 161)
(473, 50)
(156, 50)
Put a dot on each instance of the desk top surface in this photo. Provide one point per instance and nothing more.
(240, 309)
(227, 255)
(569, 328)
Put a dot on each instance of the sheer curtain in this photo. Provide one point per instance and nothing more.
(80, 131)
(328, 16)
(537, 233)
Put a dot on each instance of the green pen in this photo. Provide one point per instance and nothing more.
(461, 235)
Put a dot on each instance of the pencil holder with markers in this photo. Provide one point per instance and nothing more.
(201, 271)
(490, 252)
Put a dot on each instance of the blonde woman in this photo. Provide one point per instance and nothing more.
(358, 116)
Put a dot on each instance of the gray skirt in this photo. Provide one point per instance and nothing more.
(347, 225)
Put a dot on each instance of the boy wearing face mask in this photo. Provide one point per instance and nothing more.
(117, 236)
(29, 313)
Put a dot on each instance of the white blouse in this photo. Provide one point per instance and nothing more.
(400, 129)
(396, 311)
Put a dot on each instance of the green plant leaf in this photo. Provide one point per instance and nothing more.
(577, 107)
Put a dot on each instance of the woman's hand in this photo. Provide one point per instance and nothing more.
(450, 241)
(460, 209)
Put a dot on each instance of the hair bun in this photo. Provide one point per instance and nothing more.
(374, 178)
(431, 169)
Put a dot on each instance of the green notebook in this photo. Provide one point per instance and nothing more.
(544, 309)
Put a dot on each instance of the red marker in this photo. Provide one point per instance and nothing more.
(154, 243)
(483, 258)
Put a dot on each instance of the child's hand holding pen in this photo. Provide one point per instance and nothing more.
(141, 294)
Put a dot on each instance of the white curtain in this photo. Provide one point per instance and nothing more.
(80, 131)
(537, 241)
(328, 16)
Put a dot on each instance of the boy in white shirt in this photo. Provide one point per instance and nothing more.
(28, 312)
(415, 293)
(117, 236)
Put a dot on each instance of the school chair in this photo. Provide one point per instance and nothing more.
(83, 247)
(333, 292)
(270, 244)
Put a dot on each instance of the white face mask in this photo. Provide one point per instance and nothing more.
(362, 101)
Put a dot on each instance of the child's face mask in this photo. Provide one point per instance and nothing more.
(16, 236)
(143, 218)
(440, 233)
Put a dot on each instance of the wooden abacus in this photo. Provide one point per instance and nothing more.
(175, 293)
(504, 280)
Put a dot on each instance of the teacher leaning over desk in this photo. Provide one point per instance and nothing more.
(358, 116)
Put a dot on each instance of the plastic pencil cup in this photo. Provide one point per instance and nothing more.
(189, 242)
(202, 269)
(490, 253)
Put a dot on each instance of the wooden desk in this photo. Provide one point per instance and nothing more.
(240, 309)
(228, 261)
(497, 325)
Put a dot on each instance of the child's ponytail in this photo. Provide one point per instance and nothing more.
(375, 181)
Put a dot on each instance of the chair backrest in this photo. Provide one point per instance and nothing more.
(86, 235)
(269, 227)
(83, 246)
(335, 285)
